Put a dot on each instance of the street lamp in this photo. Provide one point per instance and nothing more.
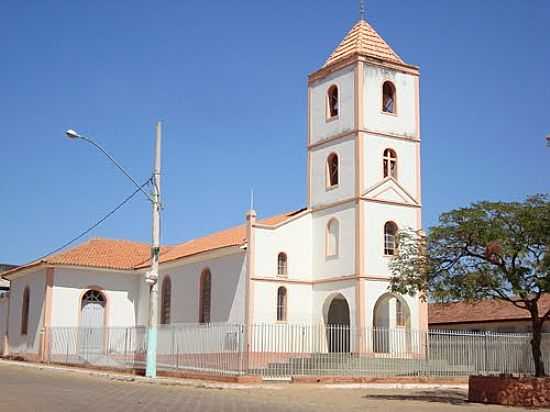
(151, 277)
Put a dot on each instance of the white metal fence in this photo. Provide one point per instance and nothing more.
(283, 350)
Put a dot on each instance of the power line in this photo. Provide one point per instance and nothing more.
(99, 222)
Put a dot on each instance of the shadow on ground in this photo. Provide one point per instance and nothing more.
(453, 397)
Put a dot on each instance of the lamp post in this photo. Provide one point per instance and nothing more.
(151, 277)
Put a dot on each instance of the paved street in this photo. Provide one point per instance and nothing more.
(34, 389)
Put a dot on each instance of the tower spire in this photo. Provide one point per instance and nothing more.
(361, 10)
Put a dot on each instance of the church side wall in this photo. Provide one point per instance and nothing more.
(292, 238)
(227, 294)
(299, 302)
(30, 343)
(120, 289)
(404, 122)
(320, 127)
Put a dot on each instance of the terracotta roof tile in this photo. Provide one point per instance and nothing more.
(128, 255)
(484, 311)
(235, 236)
(362, 39)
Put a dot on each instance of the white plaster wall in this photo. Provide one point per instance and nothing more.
(320, 194)
(404, 122)
(407, 162)
(344, 263)
(320, 127)
(299, 302)
(376, 215)
(227, 293)
(120, 288)
(30, 343)
(294, 239)
(142, 312)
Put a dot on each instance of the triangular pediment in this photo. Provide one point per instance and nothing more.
(389, 190)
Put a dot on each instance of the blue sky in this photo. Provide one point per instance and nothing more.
(228, 79)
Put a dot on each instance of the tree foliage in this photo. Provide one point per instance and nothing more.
(488, 250)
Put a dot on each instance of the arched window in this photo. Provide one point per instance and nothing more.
(166, 301)
(390, 238)
(332, 170)
(333, 238)
(332, 101)
(388, 99)
(390, 163)
(25, 311)
(205, 295)
(281, 304)
(282, 264)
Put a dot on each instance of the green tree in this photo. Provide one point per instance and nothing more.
(493, 250)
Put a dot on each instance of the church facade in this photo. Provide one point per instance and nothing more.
(324, 264)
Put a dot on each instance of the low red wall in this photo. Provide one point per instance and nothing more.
(510, 391)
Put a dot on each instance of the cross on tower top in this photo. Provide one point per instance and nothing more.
(361, 9)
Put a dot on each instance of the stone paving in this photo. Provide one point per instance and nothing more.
(35, 389)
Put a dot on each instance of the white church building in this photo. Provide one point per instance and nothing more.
(324, 264)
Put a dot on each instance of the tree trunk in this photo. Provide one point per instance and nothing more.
(536, 341)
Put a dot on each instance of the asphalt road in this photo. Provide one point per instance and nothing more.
(33, 389)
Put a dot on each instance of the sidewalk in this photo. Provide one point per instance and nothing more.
(195, 383)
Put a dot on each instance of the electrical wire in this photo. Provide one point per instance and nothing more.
(99, 222)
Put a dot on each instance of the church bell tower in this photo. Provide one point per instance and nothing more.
(363, 154)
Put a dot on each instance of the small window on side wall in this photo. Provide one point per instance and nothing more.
(332, 102)
(282, 264)
(390, 163)
(205, 296)
(166, 301)
(390, 239)
(25, 311)
(388, 97)
(332, 170)
(281, 304)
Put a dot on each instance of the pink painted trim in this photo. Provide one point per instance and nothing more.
(389, 202)
(249, 289)
(48, 309)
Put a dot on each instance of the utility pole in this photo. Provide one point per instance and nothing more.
(151, 278)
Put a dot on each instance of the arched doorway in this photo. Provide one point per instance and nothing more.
(391, 324)
(92, 322)
(338, 325)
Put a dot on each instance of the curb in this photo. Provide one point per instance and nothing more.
(121, 377)
(201, 384)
